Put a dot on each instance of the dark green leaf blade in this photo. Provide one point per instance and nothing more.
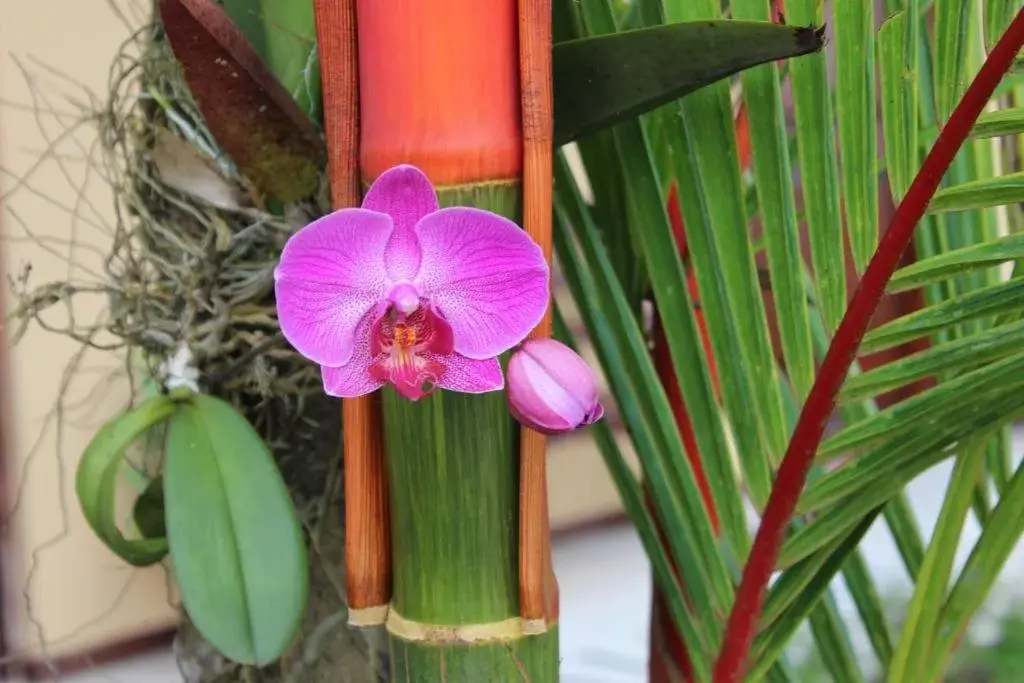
(607, 79)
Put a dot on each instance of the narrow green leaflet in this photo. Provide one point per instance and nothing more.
(624, 358)
(833, 641)
(602, 80)
(951, 29)
(632, 495)
(998, 14)
(1005, 297)
(914, 651)
(771, 641)
(843, 496)
(949, 358)
(929, 406)
(869, 606)
(887, 464)
(895, 131)
(980, 194)
(854, 35)
(958, 262)
(237, 548)
(998, 123)
(612, 210)
(711, 193)
(773, 174)
(97, 476)
(979, 574)
(819, 175)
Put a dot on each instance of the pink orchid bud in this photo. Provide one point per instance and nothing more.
(551, 389)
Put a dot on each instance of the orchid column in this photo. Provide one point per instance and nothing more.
(439, 89)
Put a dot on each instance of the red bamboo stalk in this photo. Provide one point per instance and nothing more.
(810, 427)
(538, 589)
(367, 543)
(454, 112)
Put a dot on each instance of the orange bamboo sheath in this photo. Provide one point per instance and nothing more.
(538, 589)
(440, 88)
(367, 545)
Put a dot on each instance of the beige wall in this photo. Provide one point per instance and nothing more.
(80, 595)
(70, 592)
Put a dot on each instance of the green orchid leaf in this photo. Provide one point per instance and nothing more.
(603, 80)
(97, 476)
(236, 544)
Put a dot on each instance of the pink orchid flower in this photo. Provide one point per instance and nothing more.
(402, 292)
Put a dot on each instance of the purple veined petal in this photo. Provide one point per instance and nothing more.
(330, 274)
(405, 194)
(485, 276)
(354, 378)
(468, 375)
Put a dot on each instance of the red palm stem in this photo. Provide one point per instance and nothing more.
(810, 427)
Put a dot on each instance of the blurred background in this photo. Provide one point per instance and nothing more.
(70, 609)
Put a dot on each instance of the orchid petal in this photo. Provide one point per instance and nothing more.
(330, 274)
(485, 276)
(349, 381)
(470, 376)
(405, 194)
(354, 378)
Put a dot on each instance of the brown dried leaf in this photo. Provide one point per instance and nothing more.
(184, 168)
(252, 117)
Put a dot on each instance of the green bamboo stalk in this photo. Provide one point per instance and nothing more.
(453, 480)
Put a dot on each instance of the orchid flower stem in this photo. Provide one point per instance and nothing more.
(746, 610)
(367, 540)
(538, 589)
